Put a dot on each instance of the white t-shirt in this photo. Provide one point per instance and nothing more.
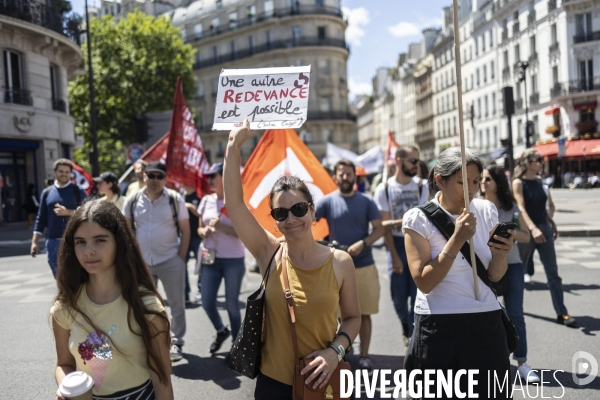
(401, 198)
(455, 294)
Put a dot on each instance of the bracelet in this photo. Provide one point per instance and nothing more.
(340, 333)
(364, 243)
(339, 349)
(448, 255)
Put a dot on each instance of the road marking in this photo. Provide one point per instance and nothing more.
(593, 265)
(37, 281)
(561, 261)
(8, 273)
(580, 254)
(579, 243)
(8, 287)
(20, 292)
(20, 277)
(38, 298)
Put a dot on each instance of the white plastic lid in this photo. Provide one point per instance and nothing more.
(75, 384)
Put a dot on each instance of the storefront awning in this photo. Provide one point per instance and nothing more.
(553, 111)
(574, 148)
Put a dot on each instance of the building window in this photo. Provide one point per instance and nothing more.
(198, 31)
(232, 47)
(14, 79)
(215, 87)
(519, 132)
(554, 75)
(296, 33)
(325, 104)
(583, 24)
(487, 138)
(251, 13)
(517, 53)
(342, 69)
(268, 6)
(215, 54)
(454, 126)
(495, 137)
(477, 74)
(320, 3)
(453, 100)
(326, 135)
(493, 103)
(268, 38)
(553, 34)
(505, 58)
(251, 43)
(484, 74)
(324, 67)
(485, 104)
(233, 18)
(491, 39)
(534, 88)
(479, 109)
(483, 43)
(532, 47)
(493, 70)
(586, 74)
(58, 103)
(214, 25)
(480, 139)
(322, 32)
(200, 91)
(476, 47)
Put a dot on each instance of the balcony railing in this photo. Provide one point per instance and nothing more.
(587, 37)
(258, 18)
(275, 45)
(39, 14)
(519, 104)
(18, 96)
(59, 105)
(321, 115)
(553, 47)
(551, 5)
(534, 99)
(533, 57)
(576, 86)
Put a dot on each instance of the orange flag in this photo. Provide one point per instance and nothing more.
(281, 152)
(392, 146)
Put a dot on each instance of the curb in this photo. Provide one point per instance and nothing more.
(592, 232)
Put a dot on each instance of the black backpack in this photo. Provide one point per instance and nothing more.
(172, 203)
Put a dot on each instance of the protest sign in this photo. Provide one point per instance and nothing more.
(271, 98)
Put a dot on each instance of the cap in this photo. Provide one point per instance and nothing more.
(156, 166)
(360, 171)
(106, 177)
(216, 167)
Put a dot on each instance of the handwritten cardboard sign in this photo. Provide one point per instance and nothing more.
(271, 98)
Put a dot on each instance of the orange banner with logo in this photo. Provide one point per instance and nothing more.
(281, 152)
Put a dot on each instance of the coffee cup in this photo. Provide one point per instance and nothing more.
(77, 386)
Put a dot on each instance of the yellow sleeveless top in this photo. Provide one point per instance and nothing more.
(316, 296)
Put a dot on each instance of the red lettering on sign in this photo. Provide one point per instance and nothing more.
(238, 97)
(246, 99)
(292, 93)
(303, 93)
(283, 93)
(228, 96)
(257, 95)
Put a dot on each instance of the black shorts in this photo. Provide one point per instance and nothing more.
(463, 341)
(271, 389)
(143, 392)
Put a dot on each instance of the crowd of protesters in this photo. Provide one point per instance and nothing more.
(109, 252)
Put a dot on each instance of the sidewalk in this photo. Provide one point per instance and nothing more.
(15, 239)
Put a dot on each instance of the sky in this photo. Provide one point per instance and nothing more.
(378, 30)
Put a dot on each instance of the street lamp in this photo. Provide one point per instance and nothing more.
(94, 153)
(522, 77)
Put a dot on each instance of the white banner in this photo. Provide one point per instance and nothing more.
(335, 154)
(371, 160)
(271, 98)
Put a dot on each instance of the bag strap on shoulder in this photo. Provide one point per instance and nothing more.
(174, 210)
(290, 306)
(445, 225)
(77, 194)
(267, 272)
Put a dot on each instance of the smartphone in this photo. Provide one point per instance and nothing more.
(502, 231)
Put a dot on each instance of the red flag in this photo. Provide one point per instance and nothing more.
(281, 152)
(186, 160)
(392, 146)
(80, 177)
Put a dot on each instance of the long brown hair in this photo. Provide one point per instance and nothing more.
(523, 163)
(505, 196)
(131, 274)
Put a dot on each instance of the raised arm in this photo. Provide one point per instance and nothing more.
(257, 240)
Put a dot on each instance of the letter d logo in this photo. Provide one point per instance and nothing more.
(584, 363)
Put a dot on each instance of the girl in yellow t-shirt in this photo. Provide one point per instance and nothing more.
(108, 318)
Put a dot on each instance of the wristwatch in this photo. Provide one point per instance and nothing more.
(339, 349)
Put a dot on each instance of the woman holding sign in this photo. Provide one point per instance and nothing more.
(321, 279)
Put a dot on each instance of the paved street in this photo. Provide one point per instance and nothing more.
(27, 288)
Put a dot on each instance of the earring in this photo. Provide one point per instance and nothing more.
(314, 223)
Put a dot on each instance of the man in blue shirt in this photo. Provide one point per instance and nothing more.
(348, 214)
(57, 203)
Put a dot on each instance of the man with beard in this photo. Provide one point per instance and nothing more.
(348, 214)
(138, 168)
(394, 198)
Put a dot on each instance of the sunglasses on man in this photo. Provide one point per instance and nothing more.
(298, 210)
(413, 161)
(160, 177)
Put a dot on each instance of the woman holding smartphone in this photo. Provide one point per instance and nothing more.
(108, 318)
(494, 187)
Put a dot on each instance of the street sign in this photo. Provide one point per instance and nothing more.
(134, 152)
(562, 147)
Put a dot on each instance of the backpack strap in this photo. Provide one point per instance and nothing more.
(136, 197)
(445, 225)
(77, 193)
(174, 209)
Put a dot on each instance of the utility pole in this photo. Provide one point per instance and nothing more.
(94, 153)
(509, 110)
(523, 78)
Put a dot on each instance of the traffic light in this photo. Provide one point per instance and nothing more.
(529, 133)
(140, 128)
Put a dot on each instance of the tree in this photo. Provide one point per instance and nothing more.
(136, 63)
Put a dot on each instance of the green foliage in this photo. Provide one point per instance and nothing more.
(136, 63)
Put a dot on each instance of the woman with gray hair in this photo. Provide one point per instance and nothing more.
(453, 330)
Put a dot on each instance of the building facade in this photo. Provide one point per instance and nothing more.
(272, 33)
(39, 58)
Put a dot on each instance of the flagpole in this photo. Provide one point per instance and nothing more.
(462, 137)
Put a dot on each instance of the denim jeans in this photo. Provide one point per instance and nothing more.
(52, 246)
(548, 258)
(529, 269)
(402, 286)
(513, 301)
(232, 270)
(192, 248)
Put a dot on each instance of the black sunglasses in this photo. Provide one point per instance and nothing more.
(298, 210)
(160, 177)
(538, 159)
(412, 160)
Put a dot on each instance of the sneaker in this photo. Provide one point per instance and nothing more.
(198, 298)
(366, 364)
(221, 336)
(567, 320)
(527, 374)
(176, 353)
(527, 278)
